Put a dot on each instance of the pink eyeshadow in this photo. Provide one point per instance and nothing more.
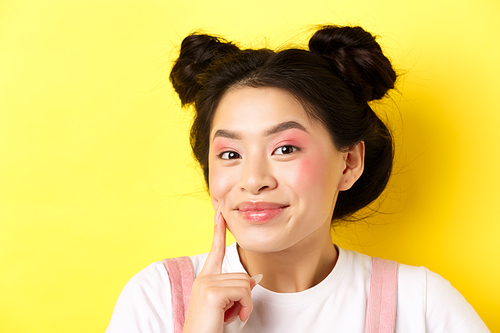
(220, 144)
(293, 137)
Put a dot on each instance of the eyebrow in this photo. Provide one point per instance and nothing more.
(284, 126)
(273, 130)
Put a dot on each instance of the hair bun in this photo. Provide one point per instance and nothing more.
(197, 52)
(357, 59)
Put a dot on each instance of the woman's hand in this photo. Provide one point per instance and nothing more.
(218, 298)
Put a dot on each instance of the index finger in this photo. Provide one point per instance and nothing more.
(213, 264)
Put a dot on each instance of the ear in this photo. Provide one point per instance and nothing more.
(354, 163)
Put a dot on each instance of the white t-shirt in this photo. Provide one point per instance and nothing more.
(426, 301)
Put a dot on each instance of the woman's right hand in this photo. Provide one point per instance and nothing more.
(218, 298)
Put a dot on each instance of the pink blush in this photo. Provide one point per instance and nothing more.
(311, 171)
(306, 170)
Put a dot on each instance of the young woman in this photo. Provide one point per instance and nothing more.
(289, 145)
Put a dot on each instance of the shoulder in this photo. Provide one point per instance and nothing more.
(426, 294)
(144, 304)
(427, 302)
(149, 283)
(447, 309)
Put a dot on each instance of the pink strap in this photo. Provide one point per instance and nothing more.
(181, 275)
(381, 309)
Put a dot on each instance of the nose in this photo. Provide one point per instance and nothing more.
(257, 175)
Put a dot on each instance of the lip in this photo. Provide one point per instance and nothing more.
(259, 212)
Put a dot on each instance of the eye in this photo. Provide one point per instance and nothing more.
(284, 150)
(229, 155)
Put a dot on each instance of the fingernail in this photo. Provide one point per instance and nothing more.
(257, 278)
(243, 324)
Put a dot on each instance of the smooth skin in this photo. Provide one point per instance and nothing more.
(264, 148)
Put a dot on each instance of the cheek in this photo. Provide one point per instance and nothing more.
(220, 181)
(309, 174)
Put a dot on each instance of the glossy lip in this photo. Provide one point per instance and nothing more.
(260, 212)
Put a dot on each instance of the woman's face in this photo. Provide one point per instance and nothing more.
(274, 171)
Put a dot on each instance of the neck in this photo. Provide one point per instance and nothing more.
(294, 269)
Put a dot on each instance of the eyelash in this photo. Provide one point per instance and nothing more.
(228, 152)
(236, 155)
(293, 148)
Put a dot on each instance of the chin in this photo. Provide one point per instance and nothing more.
(265, 238)
(256, 248)
(259, 245)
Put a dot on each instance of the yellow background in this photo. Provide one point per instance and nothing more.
(96, 177)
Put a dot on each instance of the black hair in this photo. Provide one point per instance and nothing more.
(334, 80)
